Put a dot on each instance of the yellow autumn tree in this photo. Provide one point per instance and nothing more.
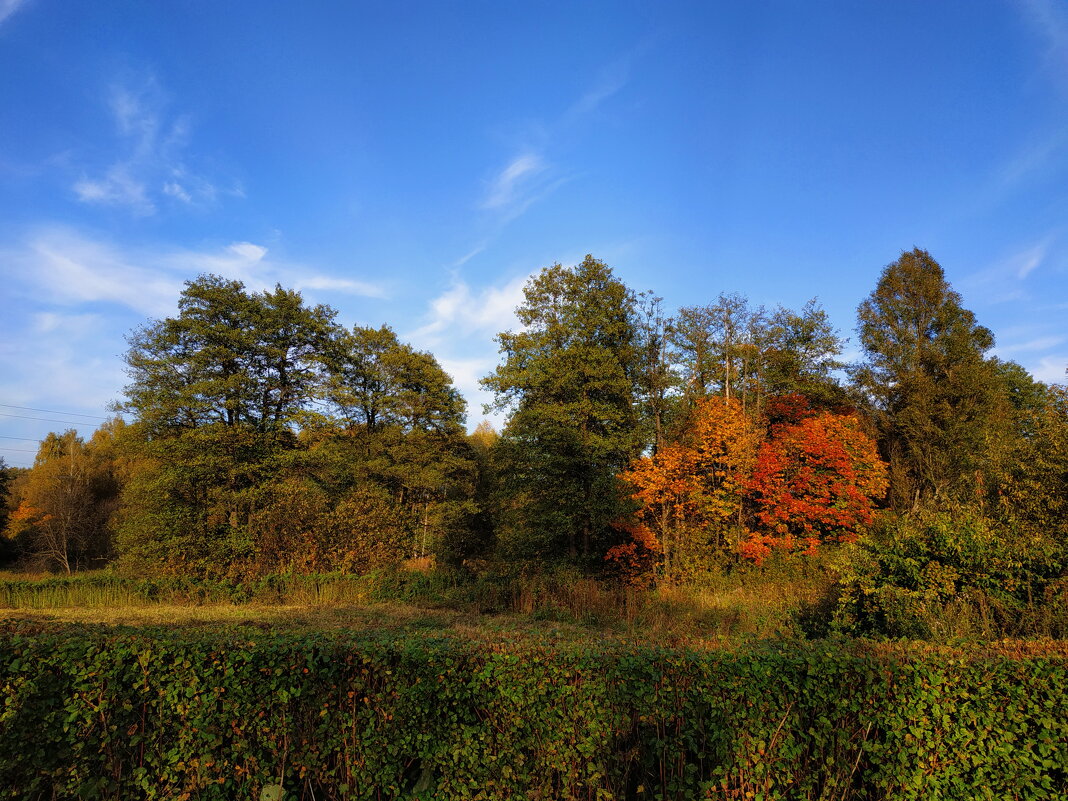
(726, 441)
(690, 493)
(662, 485)
(66, 502)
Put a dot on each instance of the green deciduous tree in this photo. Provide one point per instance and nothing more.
(730, 349)
(569, 381)
(380, 382)
(801, 355)
(1032, 486)
(656, 376)
(217, 394)
(712, 343)
(229, 357)
(933, 392)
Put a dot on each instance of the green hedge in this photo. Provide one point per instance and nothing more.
(94, 712)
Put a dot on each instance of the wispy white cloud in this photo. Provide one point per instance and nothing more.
(9, 7)
(1030, 346)
(348, 285)
(1042, 153)
(1004, 280)
(1025, 262)
(460, 262)
(462, 311)
(119, 187)
(1050, 20)
(529, 175)
(152, 164)
(177, 191)
(1050, 369)
(72, 268)
(74, 296)
(460, 326)
(1031, 160)
(505, 188)
(465, 375)
(1037, 345)
(612, 78)
(59, 360)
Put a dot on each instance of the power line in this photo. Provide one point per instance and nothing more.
(24, 439)
(53, 411)
(47, 419)
(15, 450)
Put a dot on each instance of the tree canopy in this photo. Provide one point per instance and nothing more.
(264, 436)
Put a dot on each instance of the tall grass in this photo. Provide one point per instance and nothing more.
(105, 589)
(762, 603)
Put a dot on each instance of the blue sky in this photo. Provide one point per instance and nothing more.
(414, 162)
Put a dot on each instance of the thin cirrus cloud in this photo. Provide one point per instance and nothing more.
(1030, 259)
(1003, 280)
(72, 268)
(1030, 346)
(1041, 156)
(510, 183)
(8, 7)
(529, 176)
(153, 159)
(1051, 22)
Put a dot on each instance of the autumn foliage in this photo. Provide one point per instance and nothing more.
(815, 481)
(636, 559)
(725, 440)
(812, 479)
(690, 494)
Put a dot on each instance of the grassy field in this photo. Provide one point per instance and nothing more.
(561, 605)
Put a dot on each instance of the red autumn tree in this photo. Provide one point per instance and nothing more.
(814, 481)
(787, 409)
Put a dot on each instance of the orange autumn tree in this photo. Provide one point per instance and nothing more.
(815, 481)
(636, 560)
(662, 485)
(690, 494)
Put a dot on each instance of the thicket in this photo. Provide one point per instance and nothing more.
(98, 713)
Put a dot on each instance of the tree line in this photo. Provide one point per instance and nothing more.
(264, 436)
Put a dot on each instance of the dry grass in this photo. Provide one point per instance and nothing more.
(560, 604)
(382, 617)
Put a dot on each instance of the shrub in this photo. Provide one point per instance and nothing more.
(952, 574)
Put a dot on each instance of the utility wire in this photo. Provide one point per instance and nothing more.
(53, 411)
(24, 439)
(47, 419)
(16, 450)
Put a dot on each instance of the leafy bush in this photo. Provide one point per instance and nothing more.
(99, 713)
(953, 574)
